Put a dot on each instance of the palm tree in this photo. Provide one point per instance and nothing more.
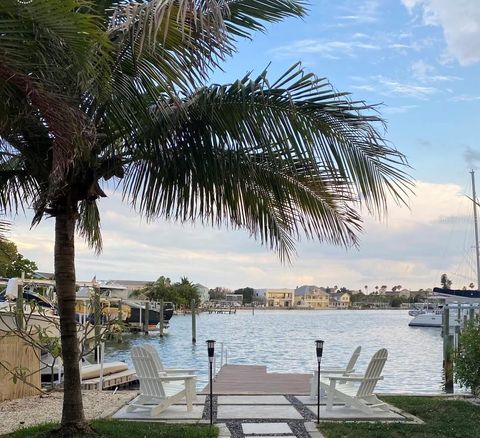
(281, 158)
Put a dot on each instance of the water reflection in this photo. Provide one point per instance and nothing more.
(284, 342)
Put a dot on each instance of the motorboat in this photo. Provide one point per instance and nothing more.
(138, 313)
(114, 291)
(430, 314)
(427, 317)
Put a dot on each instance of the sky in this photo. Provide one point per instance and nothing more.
(420, 59)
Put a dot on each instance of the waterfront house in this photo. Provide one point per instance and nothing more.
(301, 291)
(279, 297)
(202, 292)
(339, 300)
(316, 298)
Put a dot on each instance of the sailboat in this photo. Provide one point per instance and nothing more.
(432, 316)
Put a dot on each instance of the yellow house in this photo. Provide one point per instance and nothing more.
(340, 300)
(317, 299)
(279, 297)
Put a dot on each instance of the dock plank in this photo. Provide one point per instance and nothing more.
(254, 379)
(111, 380)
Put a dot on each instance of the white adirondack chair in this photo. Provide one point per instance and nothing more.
(348, 369)
(159, 390)
(156, 357)
(357, 390)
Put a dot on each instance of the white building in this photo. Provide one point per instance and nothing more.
(202, 292)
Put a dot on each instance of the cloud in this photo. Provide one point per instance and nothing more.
(327, 49)
(465, 98)
(427, 73)
(460, 21)
(412, 247)
(392, 87)
(398, 109)
(361, 12)
(471, 157)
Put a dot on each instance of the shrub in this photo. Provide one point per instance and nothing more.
(467, 363)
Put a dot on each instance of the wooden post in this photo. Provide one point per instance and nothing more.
(19, 306)
(471, 313)
(120, 313)
(447, 350)
(194, 323)
(253, 307)
(97, 316)
(147, 316)
(161, 318)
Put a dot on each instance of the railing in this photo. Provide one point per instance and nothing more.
(223, 359)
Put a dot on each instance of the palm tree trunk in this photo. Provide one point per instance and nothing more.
(73, 419)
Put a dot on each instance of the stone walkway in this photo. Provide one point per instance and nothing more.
(262, 416)
(248, 402)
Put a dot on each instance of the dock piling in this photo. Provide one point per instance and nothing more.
(194, 323)
(96, 319)
(448, 345)
(147, 317)
(161, 318)
(19, 305)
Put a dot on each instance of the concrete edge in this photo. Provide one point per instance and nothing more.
(223, 431)
(112, 411)
(312, 430)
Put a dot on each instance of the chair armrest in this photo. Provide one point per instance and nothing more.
(353, 378)
(179, 370)
(335, 371)
(176, 377)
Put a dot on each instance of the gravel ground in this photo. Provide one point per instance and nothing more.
(45, 408)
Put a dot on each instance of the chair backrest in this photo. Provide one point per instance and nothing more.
(373, 373)
(155, 356)
(353, 360)
(147, 373)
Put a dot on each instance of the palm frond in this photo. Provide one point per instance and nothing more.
(88, 225)
(49, 57)
(4, 228)
(18, 187)
(308, 152)
(180, 41)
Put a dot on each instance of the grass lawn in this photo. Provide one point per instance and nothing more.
(443, 418)
(127, 429)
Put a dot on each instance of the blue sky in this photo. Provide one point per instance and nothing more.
(421, 60)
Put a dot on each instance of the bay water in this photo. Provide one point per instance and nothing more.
(284, 341)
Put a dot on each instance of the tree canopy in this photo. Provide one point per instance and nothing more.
(180, 293)
(117, 90)
(12, 263)
(247, 293)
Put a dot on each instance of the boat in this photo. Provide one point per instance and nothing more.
(38, 314)
(457, 295)
(433, 317)
(111, 290)
(428, 314)
(138, 313)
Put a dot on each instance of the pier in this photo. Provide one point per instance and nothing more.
(255, 380)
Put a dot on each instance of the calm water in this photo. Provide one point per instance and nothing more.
(284, 342)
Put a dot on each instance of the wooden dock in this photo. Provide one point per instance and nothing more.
(254, 379)
(111, 380)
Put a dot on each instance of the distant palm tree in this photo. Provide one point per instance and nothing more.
(4, 227)
(119, 96)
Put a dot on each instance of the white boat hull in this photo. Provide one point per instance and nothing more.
(431, 319)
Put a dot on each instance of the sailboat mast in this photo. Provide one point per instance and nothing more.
(477, 251)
